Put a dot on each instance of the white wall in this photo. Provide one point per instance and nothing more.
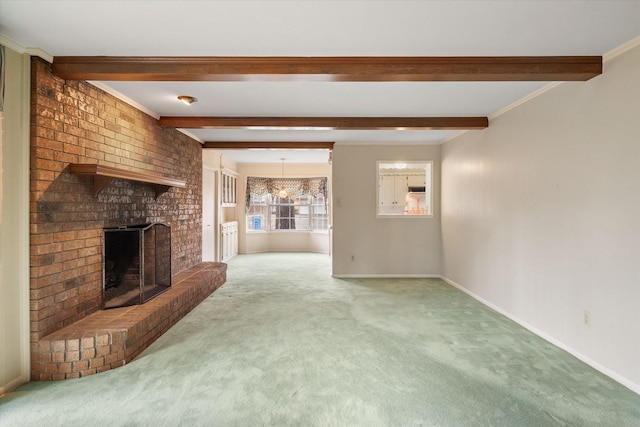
(364, 245)
(210, 227)
(541, 216)
(14, 224)
(285, 241)
(213, 162)
(279, 241)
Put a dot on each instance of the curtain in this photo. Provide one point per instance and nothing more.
(258, 186)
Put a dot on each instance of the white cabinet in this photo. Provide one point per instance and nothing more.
(416, 180)
(229, 239)
(393, 190)
(228, 189)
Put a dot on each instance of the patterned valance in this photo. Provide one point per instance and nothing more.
(258, 186)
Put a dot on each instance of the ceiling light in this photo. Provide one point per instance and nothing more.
(187, 99)
(283, 193)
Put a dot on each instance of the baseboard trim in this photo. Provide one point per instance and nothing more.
(595, 365)
(386, 276)
(13, 384)
(284, 252)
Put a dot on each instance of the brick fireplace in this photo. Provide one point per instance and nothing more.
(137, 264)
(75, 122)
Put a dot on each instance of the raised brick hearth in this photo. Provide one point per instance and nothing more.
(108, 339)
(74, 122)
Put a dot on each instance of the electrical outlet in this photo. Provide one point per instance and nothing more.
(586, 318)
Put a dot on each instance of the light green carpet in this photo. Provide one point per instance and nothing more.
(290, 346)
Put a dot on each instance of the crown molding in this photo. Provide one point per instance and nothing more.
(387, 143)
(5, 41)
(125, 99)
(621, 49)
(121, 97)
(190, 135)
(524, 99)
(625, 47)
(36, 51)
(509, 107)
(33, 51)
(456, 135)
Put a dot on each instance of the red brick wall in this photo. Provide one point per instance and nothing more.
(74, 122)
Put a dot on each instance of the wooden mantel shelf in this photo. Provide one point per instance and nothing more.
(104, 175)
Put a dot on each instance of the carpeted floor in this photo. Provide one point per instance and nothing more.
(284, 344)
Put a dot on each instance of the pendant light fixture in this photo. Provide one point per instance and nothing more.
(283, 193)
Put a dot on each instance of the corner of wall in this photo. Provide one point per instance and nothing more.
(14, 229)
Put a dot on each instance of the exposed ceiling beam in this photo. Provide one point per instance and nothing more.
(326, 123)
(241, 145)
(350, 68)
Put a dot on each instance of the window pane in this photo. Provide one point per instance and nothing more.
(285, 214)
(267, 213)
(258, 213)
(320, 219)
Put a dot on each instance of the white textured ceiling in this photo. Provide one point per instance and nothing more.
(321, 28)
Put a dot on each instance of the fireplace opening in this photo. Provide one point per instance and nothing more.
(136, 263)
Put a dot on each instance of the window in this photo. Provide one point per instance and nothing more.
(404, 189)
(258, 213)
(320, 216)
(304, 208)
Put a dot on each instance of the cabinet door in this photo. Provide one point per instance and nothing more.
(225, 179)
(393, 190)
(387, 186)
(228, 190)
(233, 190)
(400, 189)
(417, 180)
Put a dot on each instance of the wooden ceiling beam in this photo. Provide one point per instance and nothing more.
(242, 145)
(348, 69)
(325, 123)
